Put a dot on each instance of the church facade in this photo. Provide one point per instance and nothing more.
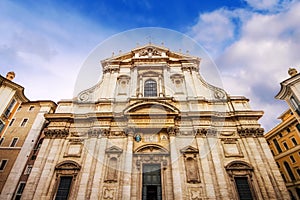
(153, 128)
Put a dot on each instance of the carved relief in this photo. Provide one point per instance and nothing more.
(149, 52)
(108, 193)
(209, 132)
(195, 194)
(56, 133)
(251, 132)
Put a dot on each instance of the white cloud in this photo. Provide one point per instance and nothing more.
(213, 30)
(265, 45)
(45, 50)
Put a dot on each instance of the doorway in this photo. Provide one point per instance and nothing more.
(151, 182)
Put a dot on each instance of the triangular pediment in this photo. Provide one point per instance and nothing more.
(152, 52)
(189, 149)
(114, 149)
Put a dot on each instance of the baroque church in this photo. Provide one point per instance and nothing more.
(152, 128)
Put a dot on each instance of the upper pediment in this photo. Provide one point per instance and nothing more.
(149, 53)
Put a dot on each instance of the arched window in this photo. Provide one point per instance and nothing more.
(150, 88)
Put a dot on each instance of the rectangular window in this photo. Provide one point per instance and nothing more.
(20, 190)
(13, 142)
(292, 159)
(24, 122)
(3, 164)
(280, 134)
(295, 104)
(11, 122)
(31, 108)
(28, 169)
(294, 141)
(283, 177)
(1, 125)
(298, 127)
(9, 108)
(277, 146)
(285, 145)
(1, 140)
(64, 187)
(243, 188)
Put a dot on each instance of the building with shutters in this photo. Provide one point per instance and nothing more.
(284, 139)
(153, 128)
(22, 122)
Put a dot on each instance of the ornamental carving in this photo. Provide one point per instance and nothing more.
(56, 133)
(173, 131)
(150, 52)
(98, 132)
(251, 132)
(209, 132)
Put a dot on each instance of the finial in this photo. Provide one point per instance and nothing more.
(120, 51)
(162, 43)
(149, 38)
(180, 50)
(10, 76)
(113, 54)
(292, 72)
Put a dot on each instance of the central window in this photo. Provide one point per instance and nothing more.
(150, 88)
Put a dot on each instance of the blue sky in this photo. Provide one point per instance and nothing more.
(252, 42)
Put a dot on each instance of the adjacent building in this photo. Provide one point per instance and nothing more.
(23, 122)
(284, 139)
(284, 142)
(153, 128)
(12, 95)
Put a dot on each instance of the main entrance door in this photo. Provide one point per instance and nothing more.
(151, 182)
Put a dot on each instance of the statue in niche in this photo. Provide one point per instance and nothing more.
(112, 172)
(192, 171)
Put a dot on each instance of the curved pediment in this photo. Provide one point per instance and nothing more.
(68, 165)
(152, 149)
(151, 108)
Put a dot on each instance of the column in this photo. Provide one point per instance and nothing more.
(99, 168)
(177, 188)
(86, 168)
(126, 189)
(207, 177)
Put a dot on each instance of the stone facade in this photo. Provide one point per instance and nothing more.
(152, 128)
